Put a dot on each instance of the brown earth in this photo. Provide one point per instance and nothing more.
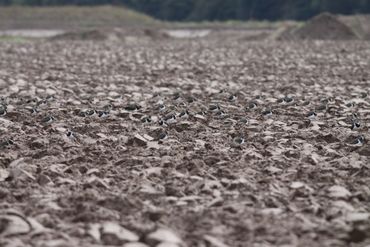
(322, 27)
(85, 180)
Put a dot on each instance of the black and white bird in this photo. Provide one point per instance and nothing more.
(239, 140)
(71, 135)
(311, 115)
(103, 114)
(267, 113)
(170, 118)
(244, 120)
(146, 119)
(184, 114)
(90, 112)
(162, 136)
(48, 120)
(355, 125)
(288, 99)
(214, 108)
(232, 98)
(252, 105)
(161, 107)
(359, 141)
(3, 111)
(132, 107)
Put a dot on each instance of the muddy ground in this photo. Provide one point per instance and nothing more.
(84, 160)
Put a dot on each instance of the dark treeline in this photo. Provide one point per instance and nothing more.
(196, 10)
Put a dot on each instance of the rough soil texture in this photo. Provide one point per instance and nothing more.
(224, 174)
(322, 27)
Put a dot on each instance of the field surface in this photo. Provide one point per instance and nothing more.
(85, 161)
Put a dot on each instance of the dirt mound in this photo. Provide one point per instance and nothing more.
(325, 27)
(322, 27)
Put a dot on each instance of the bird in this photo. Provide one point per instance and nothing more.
(48, 119)
(350, 104)
(132, 107)
(90, 112)
(6, 143)
(3, 111)
(162, 136)
(184, 114)
(33, 110)
(311, 115)
(288, 99)
(146, 119)
(220, 113)
(252, 105)
(70, 134)
(170, 118)
(359, 141)
(161, 107)
(239, 140)
(190, 99)
(267, 113)
(214, 108)
(232, 98)
(108, 107)
(363, 95)
(163, 123)
(103, 114)
(244, 120)
(355, 125)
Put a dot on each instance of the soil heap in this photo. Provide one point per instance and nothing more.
(322, 27)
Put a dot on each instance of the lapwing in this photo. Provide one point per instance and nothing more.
(162, 123)
(162, 136)
(239, 140)
(90, 112)
(132, 107)
(48, 120)
(170, 118)
(252, 105)
(244, 120)
(161, 107)
(363, 95)
(184, 114)
(232, 98)
(311, 115)
(33, 110)
(2, 110)
(359, 141)
(70, 134)
(355, 125)
(146, 119)
(267, 113)
(6, 143)
(176, 96)
(288, 99)
(214, 108)
(103, 114)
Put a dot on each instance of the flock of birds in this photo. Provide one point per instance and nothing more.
(168, 114)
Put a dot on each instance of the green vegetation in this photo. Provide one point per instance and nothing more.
(211, 10)
(14, 17)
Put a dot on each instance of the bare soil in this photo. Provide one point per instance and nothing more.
(229, 177)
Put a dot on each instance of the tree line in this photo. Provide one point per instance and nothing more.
(211, 10)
